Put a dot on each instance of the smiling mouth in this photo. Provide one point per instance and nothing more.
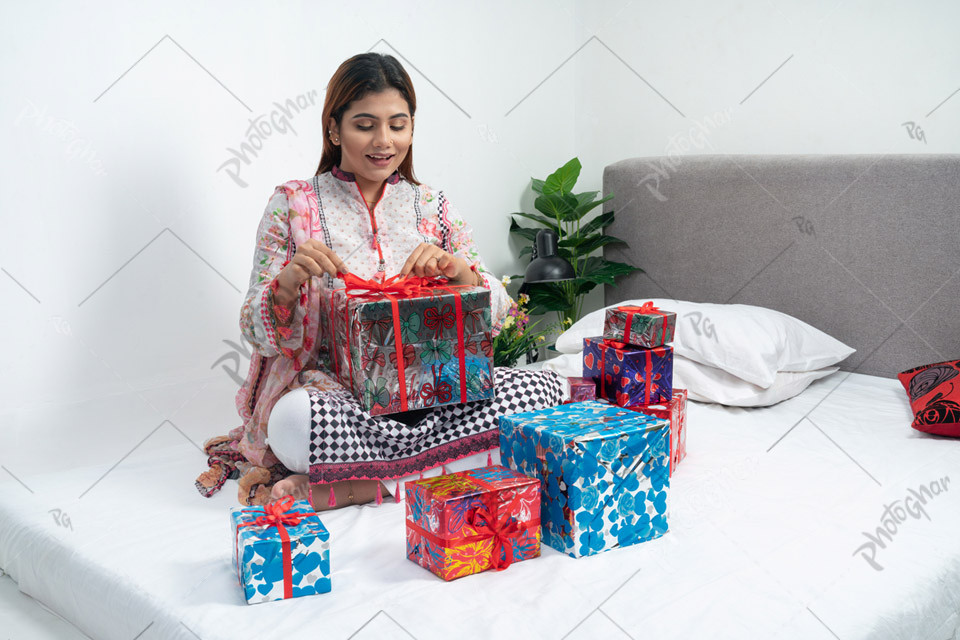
(386, 157)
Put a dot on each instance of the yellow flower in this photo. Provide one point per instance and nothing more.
(505, 280)
(508, 322)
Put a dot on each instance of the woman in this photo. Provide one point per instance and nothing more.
(365, 213)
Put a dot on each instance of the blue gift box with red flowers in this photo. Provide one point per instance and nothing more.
(629, 375)
(604, 473)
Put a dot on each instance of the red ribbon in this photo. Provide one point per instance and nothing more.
(502, 530)
(392, 288)
(277, 514)
(397, 285)
(648, 369)
(647, 308)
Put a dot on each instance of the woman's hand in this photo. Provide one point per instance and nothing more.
(313, 258)
(429, 260)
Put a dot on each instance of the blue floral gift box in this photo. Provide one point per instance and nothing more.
(281, 550)
(604, 473)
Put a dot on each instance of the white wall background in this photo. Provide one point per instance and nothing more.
(125, 249)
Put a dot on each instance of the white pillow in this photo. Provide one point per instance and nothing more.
(751, 343)
(709, 384)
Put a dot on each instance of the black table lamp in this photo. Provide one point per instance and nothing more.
(546, 265)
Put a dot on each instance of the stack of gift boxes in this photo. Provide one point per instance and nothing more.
(590, 475)
(631, 365)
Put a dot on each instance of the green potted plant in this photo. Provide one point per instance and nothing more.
(518, 336)
(564, 212)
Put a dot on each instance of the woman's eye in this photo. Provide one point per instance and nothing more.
(400, 128)
(364, 128)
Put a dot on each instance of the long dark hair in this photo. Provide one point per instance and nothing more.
(363, 74)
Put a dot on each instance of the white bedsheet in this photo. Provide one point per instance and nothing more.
(763, 532)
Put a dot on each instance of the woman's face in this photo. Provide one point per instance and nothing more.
(375, 135)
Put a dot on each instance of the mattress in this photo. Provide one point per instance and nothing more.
(767, 514)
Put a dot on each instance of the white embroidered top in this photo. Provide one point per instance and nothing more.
(331, 208)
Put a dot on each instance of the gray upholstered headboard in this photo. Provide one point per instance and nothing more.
(865, 248)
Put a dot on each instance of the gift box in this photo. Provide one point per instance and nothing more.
(675, 412)
(603, 470)
(582, 389)
(467, 522)
(281, 551)
(643, 326)
(442, 332)
(631, 375)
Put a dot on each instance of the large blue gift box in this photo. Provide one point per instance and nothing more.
(280, 551)
(604, 473)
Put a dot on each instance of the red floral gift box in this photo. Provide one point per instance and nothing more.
(642, 326)
(467, 522)
(676, 412)
(409, 343)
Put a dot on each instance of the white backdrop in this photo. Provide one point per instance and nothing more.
(129, 217)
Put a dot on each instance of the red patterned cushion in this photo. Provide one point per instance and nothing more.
(934, 392)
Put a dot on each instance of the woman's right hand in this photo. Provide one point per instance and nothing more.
(313, 258)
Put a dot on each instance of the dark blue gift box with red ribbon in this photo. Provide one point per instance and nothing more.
(629, 375)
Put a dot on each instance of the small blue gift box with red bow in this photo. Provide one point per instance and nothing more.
(628, 375)
(281, 550)
(604, 473)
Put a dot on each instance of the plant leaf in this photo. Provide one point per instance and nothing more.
(586, 246)
(527, 249)
(596, 269)
(584, 286)
(529, 234)
(563, 179)
(536, 185)
(601, 221)
(586, 197)
(556, 206)
(547, 222)
(548, 296)
(583, 208)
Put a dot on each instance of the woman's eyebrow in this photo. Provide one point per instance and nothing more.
(373, 117)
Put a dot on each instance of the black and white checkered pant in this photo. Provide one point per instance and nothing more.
(348, 443)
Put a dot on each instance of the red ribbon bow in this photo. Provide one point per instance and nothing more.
(397, 285)
(400, 286)
(646, 308)
(277, 514)
(504, 531)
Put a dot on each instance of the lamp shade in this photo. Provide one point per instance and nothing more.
(548, 266)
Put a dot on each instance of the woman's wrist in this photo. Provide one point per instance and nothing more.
(284, 299)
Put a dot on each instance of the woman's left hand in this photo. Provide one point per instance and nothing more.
(429, 260)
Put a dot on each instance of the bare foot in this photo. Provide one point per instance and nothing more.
(345, 493)
(297, 486)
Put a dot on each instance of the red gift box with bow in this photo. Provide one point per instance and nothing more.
(470, 521)
(676, 412)
(642, 326)
(409, 343)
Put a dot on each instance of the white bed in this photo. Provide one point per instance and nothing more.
(767, 512)
(761, 544)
